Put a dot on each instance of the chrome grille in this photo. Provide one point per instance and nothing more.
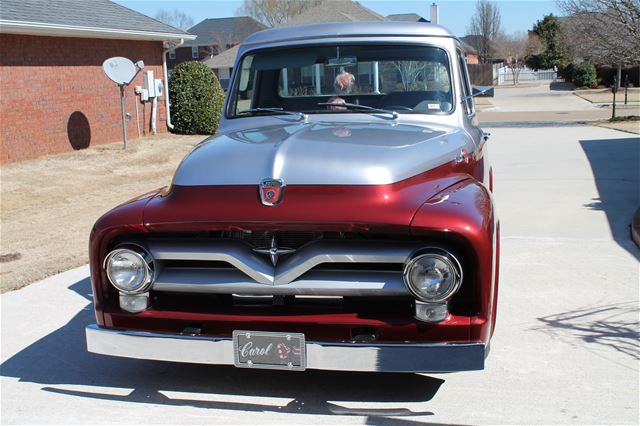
(323, 263)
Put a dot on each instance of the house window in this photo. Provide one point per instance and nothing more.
(194, 52)
(172, 54)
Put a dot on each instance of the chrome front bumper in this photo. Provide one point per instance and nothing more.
(401, 357)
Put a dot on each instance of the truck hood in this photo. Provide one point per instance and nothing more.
(321, 153)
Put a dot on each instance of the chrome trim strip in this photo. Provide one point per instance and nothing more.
(315, 283)
(401, 357)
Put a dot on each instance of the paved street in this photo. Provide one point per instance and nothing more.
(544, 102)
(565, 351)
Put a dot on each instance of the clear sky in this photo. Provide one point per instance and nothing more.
(517, 15)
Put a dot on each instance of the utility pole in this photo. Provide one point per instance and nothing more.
(124, 121)
(614, 89)
(626, 87)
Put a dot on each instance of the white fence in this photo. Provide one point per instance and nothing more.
(505, 75)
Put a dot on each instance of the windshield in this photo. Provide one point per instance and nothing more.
(404, 78)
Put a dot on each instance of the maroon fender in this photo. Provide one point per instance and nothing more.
(126, 219)
(465, 211)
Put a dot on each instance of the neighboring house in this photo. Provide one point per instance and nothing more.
(473, 43)
(222, 65)
(470, 53)
(408, 17)
(213, 37)
(54, 96)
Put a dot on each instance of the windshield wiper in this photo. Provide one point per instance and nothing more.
(394, 114)
(300, 115)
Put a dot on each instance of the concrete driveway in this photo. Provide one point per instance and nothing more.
(566, 349)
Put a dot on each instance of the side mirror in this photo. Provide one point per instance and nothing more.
(483, 91)
(478, 91)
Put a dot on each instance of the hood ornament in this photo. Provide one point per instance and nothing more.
(271, 191)
(274, 252)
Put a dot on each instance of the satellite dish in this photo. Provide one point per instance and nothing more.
(120, 70)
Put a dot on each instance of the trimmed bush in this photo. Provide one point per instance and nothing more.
(196, 99)
(566, 72)
(584, 75)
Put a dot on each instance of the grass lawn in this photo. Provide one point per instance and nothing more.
(49, 205)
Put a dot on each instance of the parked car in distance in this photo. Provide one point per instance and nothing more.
(341, 219)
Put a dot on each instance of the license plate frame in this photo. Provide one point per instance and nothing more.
(269, 350)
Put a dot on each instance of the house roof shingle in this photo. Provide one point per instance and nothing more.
(225, 59)
(335, 11)
(232, 30)
(95, 14)
(409, 17)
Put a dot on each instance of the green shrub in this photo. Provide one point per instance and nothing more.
(566, 72)
(584, 75)
(196, 99)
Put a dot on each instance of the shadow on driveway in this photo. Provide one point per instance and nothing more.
(562, 86)
(615, 164)
(612, 326)
(61, 363)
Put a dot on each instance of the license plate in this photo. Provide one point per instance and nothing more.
(264, 349)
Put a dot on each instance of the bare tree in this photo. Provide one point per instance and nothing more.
(485, 26)
(175, 18)
(514, 50)
(409, 72)
(275, 12)
(226, 41)
(605, 32)
(534, 46)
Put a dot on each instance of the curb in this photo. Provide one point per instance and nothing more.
(635, 228)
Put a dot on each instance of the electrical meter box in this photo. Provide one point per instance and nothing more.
(149, 83)
(159, 87)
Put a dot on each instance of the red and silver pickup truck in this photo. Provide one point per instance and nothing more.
(342, 218)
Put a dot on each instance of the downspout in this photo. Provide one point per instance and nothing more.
(166, 79)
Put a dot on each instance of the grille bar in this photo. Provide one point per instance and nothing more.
(315, 283)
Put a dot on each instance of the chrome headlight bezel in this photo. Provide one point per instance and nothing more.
(442, 255)
(141, 255)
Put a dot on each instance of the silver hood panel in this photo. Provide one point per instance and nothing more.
(321, 153)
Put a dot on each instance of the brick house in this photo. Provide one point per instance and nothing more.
(54, 96)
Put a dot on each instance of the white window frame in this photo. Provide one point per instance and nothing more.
(172, 54)
(195, 53)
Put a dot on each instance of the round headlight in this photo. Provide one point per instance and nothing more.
(128, 271)
(434, 276)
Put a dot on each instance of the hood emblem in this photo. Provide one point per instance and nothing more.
(271, 191)
(274, 252)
